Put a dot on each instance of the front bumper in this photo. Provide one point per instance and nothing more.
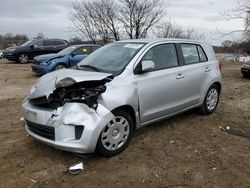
(245, 71)
(10, 57)
(65, 123)
(41, 69)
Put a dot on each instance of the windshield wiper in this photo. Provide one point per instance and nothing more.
(90, 67)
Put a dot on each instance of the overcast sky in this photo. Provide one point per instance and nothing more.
(51, 17)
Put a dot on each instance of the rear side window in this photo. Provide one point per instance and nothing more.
(164, 56)
(190, 53)
(48, 43)
(53, 43)
(202, 54)
(58, 42)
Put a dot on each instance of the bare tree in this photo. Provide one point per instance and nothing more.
(106, 13)
(95, 20)
(242, 11)
(82, 21)
(138, 16)
(169, 29)
(39, 35)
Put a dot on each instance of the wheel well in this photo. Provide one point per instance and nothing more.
(218, 84)
(61, 64)
(129, 109)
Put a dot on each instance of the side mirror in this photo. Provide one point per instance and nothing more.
(32, 46)
(147, 65)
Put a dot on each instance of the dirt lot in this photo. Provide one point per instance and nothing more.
(186, 151)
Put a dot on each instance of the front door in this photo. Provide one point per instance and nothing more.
(79, 55)
(160, 90)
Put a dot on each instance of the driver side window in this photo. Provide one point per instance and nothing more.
(164, 56)
(82, 51)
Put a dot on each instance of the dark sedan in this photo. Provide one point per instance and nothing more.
(30, 49)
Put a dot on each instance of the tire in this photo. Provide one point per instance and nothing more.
(60, 66)
(110, 140)
(245, 76)
(23, 58)
(209, 104)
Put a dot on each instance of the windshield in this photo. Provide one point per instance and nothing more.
(112, 58)
(26, 43)
(67, 50)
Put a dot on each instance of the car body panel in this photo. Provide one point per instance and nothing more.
(153, 96)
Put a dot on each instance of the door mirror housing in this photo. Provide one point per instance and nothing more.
(32, 46)
(147, 65)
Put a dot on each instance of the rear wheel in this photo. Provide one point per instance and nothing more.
(23, 58)
(116, 135)
(211, 100)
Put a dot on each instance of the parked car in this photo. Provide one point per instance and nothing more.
(30, 49)
(119, 88)
(1, 55)
(66, 58)
(245, 69)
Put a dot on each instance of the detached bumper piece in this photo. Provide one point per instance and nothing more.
(41, 130)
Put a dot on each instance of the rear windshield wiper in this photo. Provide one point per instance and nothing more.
(90, 67)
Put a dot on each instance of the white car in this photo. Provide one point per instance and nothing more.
(119, 88)
(1, 55)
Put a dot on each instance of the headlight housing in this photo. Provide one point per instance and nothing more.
(66, 82)
(11, 50)
(47, 62)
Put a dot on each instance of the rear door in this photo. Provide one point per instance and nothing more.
(195, 71)
(49, 46)
(160, 92)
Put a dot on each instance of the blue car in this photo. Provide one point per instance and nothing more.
(66, 58)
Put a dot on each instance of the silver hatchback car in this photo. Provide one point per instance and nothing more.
(119, 88)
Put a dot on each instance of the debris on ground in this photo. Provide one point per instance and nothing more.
(34, 181)
(238, 130)
(22, 119)
(77, 168)
(171, 142)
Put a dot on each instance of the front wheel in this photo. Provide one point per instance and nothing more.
(211, 100)
(60, 66)
(116, 135)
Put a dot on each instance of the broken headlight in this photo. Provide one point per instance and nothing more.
(66, 82)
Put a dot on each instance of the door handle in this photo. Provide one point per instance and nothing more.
(207, 69)
(180, 76)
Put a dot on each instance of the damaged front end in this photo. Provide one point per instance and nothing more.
(69, 91)
(70, 117)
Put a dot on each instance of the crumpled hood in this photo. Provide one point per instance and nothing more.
(47, 57)
(47, 83)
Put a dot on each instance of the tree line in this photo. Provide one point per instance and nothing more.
(109, 20)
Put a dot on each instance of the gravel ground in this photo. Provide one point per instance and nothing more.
(188, 150)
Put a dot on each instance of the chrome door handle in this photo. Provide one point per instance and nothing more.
(180, 76)
(207, 69)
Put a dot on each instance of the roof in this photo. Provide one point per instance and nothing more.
(152, 40)
(80, 45)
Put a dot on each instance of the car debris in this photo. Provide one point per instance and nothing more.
(237, 130)
(77, 168)
(34, 181)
